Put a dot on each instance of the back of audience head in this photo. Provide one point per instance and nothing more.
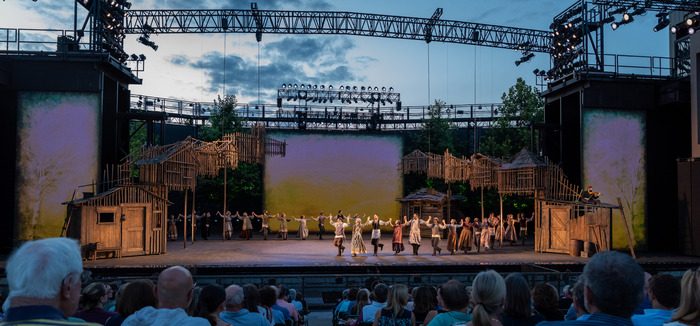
(292, 295)
(545, 298)
(47, 269)
(135, 295)
(381, 292)
(352, 295)
(397, 299)
(361, 302)
(252, 297)
(93, 296)
(688, 311)
(453, 295)
(577, 295)
(488, 294)
(614, 284)
(212, 299)
(234, 297)
(423, 300)
(665, 290)
(174, 288)
(268, 296)
(518, 299)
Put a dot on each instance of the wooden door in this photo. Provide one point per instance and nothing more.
(134, 236)
(558, 229)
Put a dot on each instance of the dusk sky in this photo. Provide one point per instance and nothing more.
(189, 66)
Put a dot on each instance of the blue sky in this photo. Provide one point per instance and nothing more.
(189, 66)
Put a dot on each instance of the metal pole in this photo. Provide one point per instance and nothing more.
(184, 222)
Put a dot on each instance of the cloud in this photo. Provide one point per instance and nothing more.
(319, 51)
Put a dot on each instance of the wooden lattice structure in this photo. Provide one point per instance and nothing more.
(160, 170)
(426, 202)
(562, 221)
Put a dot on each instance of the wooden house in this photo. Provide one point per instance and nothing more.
(173, 166)
(426, 202)
(127, 221)
(525, 174)
(484, 172)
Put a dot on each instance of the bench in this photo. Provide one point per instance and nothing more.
(92, 249)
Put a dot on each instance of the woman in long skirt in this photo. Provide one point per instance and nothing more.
(265, 223)
(486, 228)
(357, 245)
(282, 233)
(247, 230)
(500, 230)
(228, 227)
(172, 228)
(511, 235)
(465, 238)
(376, 233)
(303, 229)
(477, 228)
(414, 237)
(452, 235)
(397, 239)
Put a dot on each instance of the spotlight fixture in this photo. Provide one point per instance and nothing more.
(617, 11)
(663, 22)
(616, 25)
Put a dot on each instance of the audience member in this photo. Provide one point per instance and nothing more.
(282, 296)
(293, 300)
(546, 301)
(614, 283)
(252, 299)
(352, 297)
(111, 303)
(422, 303)
(453, 298)
(577, 311)
(645, 304)
(394, 312)
(302, 303)
(235, 312)
(212, 301)
(381, 292)
(361, 302)
(93, 297)
(174, 293)
(268, 299)
(664, 294)
(688, 312)
(44, 282)
(518, 310)
(343, 299)
(132, 297)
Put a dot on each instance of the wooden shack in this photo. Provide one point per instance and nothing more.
(484, 172)
(525, 174)
(571, 227)
(426, 202)
(173, 166)
(126, 221)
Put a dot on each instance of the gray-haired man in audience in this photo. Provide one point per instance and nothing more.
(236, 314)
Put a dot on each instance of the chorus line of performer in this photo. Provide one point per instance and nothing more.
(473, 232)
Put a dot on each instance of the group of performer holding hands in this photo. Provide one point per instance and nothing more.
(473, 232)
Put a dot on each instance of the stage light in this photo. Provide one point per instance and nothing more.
(391, 89)
(315, 86)
(607, 20)
(284, 86)
(354, 88)
(617, 11)
(363, 88)
(662, 24)
(626, 16)
(383, 89)
(691, 30)
(342, 87)
(323, 87)
(330, 87)
(134, 57)
(302, 86)
(295, 86)
(376, 88)
(674, 29)
(689, 22)
(142, 57)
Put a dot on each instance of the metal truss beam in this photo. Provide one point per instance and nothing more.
(343, 96)
(653, 5)
(337, 23)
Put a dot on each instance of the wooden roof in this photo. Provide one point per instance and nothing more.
(429, 195)
(524, 159)
(126, 193)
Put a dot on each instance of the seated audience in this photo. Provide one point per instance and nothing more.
(174, 292)
(546, 302)
(361, 302)
(268, 299)
(422, 303)
(394, 313)
(688, 312)
(380, 292)
(93, 298)
(664, 294)
(282, 297)
(132, 297)
(577, 311)
(453, 298)
(44, 282)
(518, 310)
(343, 300)
(488, 295)
(645, 304)
(236, 314)
(614, 285)
(212, 301)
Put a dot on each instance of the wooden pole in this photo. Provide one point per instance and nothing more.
(193, 215)
(224, 218)
(184, 222)
(501, 223)
(482, 204)
(627, 230)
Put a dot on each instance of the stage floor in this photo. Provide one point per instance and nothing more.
(314, 256)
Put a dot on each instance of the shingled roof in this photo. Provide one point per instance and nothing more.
(524, 159)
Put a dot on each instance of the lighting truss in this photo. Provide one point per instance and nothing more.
(337, 23)
(344, 95)
(652, 5)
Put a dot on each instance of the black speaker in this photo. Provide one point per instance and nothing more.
(398, 105)
(279, 102)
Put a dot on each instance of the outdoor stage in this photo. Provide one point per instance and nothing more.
(312, 256)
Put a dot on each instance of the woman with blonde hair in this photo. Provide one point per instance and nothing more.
(488, 295)
(688, 312)
(394, 313)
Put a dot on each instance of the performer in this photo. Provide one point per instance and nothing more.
(486, 228)
(588, 196)
(339, 234)
(510, 230)
(452, 235)
(397, 239)
(321, 224)
(500, 230)
(465, 238)
(247, 229)
(340, 215)
(282, 233)
(205, 221)
(376, 233)
(414, 237)
(188, 220)
(303, 229)
(493, 220)
(227, 224)
(523, 225)
(172, 228)
(357, 246)
(265, 219)
(435, 227)
(477, 227)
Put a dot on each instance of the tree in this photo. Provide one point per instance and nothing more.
(522, 106)
(224, 119)
(437, 133)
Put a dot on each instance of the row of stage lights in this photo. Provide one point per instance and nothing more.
(342, 88)
(690, 25)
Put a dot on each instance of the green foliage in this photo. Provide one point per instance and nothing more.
(223, 119)
(437, 132)
(522, 106)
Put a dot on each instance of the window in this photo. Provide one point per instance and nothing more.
(105, 217)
